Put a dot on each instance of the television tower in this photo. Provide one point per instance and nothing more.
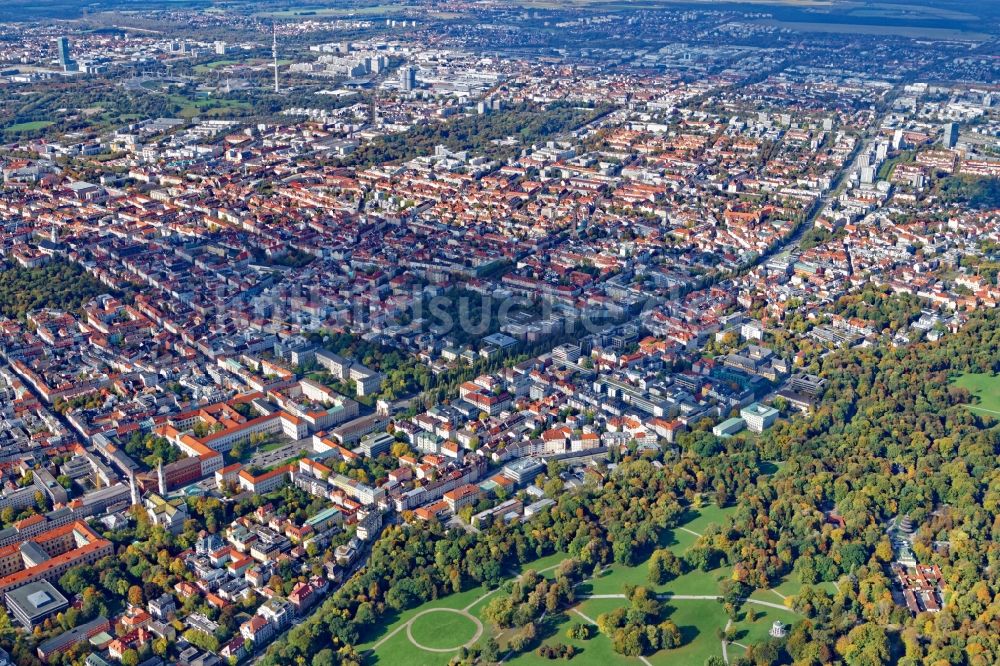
(274, 54)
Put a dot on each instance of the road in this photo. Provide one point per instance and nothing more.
(349, 574)
(37, 396)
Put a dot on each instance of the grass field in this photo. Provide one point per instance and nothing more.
(985, 389)
(698, 519)
(29, 126)
(442, 630)
(215, 64)
(699, 620)
(753, 631)
(593, 652)
(789, 587)
(210, 106)
(694, 583)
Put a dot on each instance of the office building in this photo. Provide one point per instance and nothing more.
(950, 139)
(523, 471)
(65, 61)
(408, 77)
(759, 417)
(31, 604)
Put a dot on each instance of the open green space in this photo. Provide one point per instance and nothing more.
(699, 620)
(215, 64)
(698, 519)
(789, 587)
(399, 650)
(207, 106)
(749, 631)
(694, 583)
(595, 651)
(443, 629)
(456, 601)
(985, 389)
(29, 126)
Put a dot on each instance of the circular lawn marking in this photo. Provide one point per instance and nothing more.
(437, 633)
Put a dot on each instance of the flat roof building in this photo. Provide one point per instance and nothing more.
(30, 604)
(523, 471)
(67, 639)
(729, 427)
(759, 417)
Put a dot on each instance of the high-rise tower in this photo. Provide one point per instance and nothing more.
(407, 77)
(274, 54)
(161, 478)
(134, 490)
(63, 53)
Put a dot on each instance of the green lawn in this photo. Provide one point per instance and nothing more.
(215, 64)
(789, 587)
(696, 583)
(207, 106)
(466, 598)
(455, 601)
(272, 446)
(698, 622)
(756, 631)
(594, 652)
(30, 126)
(985, 389)
(699, 519)
(399, 650)
(443, 629)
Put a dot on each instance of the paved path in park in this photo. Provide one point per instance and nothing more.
(689, 597)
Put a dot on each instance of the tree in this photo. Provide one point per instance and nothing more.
(629, 641)
(130, 658)
(491, 651)
(733, 592)
(663, 566)
(866, 645)
(670, 635)
(135, 595)
(324, 657)
(202, 640)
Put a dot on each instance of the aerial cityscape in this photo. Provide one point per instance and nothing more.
(441, 332)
